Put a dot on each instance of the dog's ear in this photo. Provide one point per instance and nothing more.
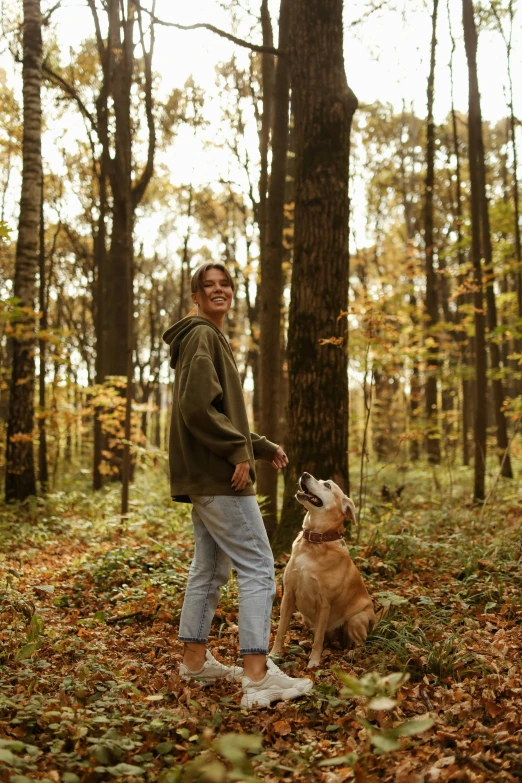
(348, 508)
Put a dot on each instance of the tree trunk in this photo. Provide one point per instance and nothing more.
(100, 289)
(432, 303)
(449, 368)
(119, 280)
(20, 472)
(480, 423)
(492, 321)
(156, 421)
(318, 373)
(267, 75)
(407, 193)
(516, 190)
(43, 469)
(100, 296)
(252, 359)
(508, 40)
(272, 280)
(467, 397)
(126, 197)
(463, 342)
(185, 260)
(114, 269)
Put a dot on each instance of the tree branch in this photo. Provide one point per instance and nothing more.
(378, 5)
(70, 91)
(47, 18)
(222, 33)
(97, 26)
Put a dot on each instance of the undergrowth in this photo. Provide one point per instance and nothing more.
(89, 607)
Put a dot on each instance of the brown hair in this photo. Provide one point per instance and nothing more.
(198, 278)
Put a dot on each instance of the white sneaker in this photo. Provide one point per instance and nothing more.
(274, 686)
(211, 671)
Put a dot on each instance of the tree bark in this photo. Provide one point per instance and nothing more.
(432, 298)
(119, 260)
(156, 429)
(100, 274)
(318, 373)
(480, 418)
(408, 193)
(492, 321)
(272, 280)
(43, 469)
(20, 469)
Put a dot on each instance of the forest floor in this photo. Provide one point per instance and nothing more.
(89, 689)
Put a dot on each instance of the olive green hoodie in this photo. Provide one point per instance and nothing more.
(209, 432)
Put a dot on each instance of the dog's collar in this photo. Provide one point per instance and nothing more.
(318, 538)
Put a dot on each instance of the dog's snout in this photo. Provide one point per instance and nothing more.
(306, 475)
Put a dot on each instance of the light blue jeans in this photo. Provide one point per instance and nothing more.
(229, 531)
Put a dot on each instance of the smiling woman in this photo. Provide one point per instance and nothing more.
(212, 453)
(212, 289)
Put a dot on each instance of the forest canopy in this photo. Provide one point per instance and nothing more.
(199, 140)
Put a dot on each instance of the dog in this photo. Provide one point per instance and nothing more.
(320, 580)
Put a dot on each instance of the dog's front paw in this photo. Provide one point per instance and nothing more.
(313, 662)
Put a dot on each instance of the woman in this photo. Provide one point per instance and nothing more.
(211, 455)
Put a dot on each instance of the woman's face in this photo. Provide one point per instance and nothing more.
(215, 298)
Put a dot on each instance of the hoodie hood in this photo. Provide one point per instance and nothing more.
(176, 333)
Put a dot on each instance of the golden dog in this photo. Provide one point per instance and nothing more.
(321, 580)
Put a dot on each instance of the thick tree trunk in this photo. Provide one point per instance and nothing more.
(272, 280)
(126, 197)
(120, 257)
(432, 298)
(480, 423)
(318, 377)
(20, 472)
(119, 283)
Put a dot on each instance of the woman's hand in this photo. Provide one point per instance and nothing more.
(280, 459)
(241, 476)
